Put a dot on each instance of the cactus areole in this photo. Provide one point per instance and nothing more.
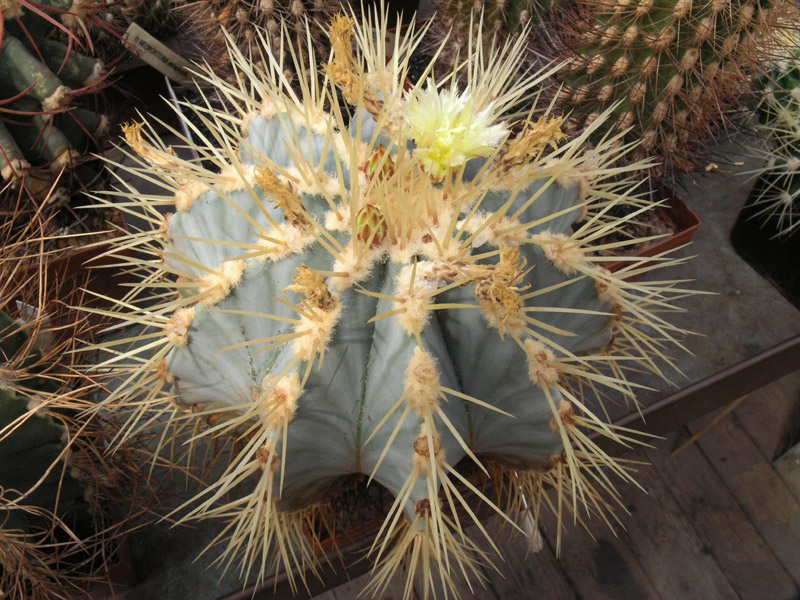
(384, 288)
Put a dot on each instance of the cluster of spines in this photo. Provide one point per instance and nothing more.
(51, 521)
(778, 184)
(459, 22)
(435, 530)
(40, 79)
(672, 70)
(280, 22)
(64, 503)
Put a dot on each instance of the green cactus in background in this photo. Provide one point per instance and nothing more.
(43, 496)
(391, 288)
(40, 77)
(458, 22)
(63, 503)
(672, 70)
(205, 24)
(499, 17)
(778, 183)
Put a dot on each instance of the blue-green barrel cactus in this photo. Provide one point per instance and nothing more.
(394, 287)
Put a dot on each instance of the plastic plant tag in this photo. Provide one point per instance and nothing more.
(156, 54)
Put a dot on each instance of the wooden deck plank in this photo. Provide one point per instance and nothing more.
(788, 467)
(521, 574)
(599, 564)
(762, 494)
(352, 589)
(665, 543)
(743, 556)
(770, 415)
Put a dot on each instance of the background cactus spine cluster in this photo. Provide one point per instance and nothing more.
(391, 288)
(40, 77)
(65, 503)
(457, 21)
(61, 499)
(673, 69)
(778, 183)
(205, 24)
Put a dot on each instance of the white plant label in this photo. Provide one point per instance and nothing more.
(156, 54)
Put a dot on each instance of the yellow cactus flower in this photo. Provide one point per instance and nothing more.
(447, 128)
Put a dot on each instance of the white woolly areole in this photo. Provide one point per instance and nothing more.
(405, 253)
(356, 267)
(447, 128)
(11, 9)
(294, 240)
(540, 364)
(218, 285)
(319, 331)
(422, 383)
(96, 75)
(565, 254)
(319, 183)
(340, 222)
(234, 178)
(17, 168)
(34, 402)
(605, 291)
(177, 328)
(267, 111)
(57, 100)
(346, 146)
(314, 118)
(414, 301)
(187, 194)
(281, 398)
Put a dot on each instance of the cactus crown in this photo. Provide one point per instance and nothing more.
(389, 287)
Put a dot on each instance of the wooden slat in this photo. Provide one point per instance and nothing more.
(723, 528)
(352, 589)
(763, 496)
(599, 564)
(769, 415)
(788, 467)
(712, 393)
(521, 574)
(665, 543)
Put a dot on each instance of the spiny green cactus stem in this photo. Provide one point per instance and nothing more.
(43, 495)
(208, 21)
(459, 21)
(671, 69)
(500, 17)
(778, 184)
(64, 503)
(40, 78)
(391, 289)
